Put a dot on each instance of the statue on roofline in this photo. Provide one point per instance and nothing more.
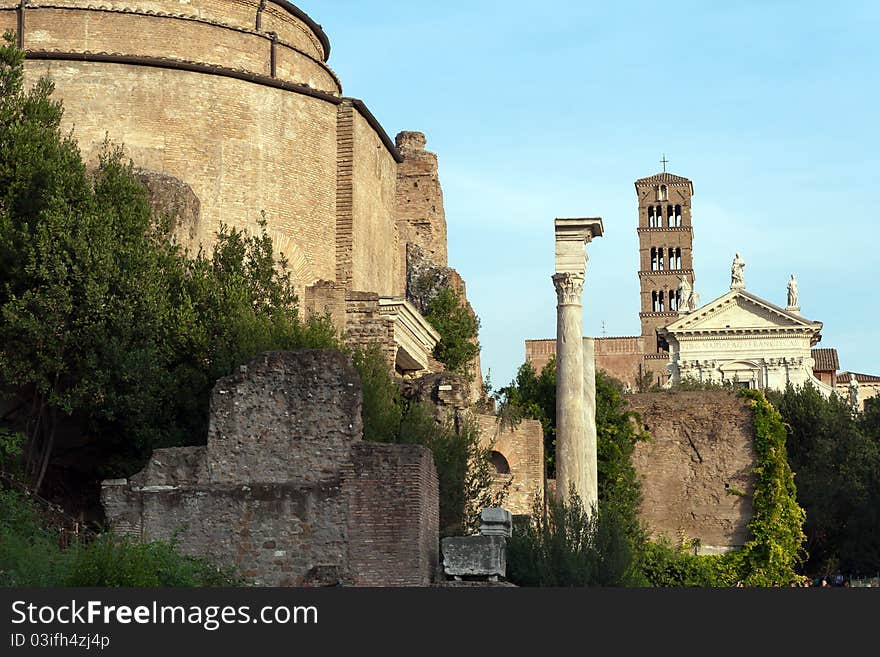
(737, 278)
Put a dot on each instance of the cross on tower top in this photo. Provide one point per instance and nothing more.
(664, 161)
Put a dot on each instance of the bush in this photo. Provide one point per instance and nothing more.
(30, 556)
(114, 561)
(569, 547)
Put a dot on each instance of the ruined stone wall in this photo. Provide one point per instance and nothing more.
(286, 492)
(522, 447)
(366, 326)
(700, 456)
(393, 544)
(420, 214)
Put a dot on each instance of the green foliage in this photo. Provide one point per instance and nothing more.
(462, 463)
(383, 403)
(458, 327)
(566, 546)
(10, 448)
(618, 430)
(106, 328)
(667, 565)
(114, 561)
(836, 458)
(776, 537)
(29, 553)
(30, 556)
(692, 385)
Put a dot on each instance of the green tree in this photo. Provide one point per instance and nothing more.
(106, 328)
(458, 327)
(836, 459)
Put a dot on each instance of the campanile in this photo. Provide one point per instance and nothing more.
(665, 250)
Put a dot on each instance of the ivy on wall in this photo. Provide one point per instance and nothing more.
(776, 538)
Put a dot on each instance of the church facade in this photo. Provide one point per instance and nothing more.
(743, 340)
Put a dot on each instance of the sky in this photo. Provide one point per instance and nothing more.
(549, 109)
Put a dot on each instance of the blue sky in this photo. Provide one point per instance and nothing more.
(552, 109)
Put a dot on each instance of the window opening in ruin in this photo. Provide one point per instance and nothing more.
(500, 464)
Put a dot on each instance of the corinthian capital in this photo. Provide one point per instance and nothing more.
(569, 288)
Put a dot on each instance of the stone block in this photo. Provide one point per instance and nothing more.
(496, 521)
(474, 556)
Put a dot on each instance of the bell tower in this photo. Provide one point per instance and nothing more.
(665, 250)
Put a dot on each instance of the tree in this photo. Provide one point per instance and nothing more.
(107, 329)
(458, 327)
(836, 459)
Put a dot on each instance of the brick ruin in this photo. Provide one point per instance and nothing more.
(286, 491)
(696, 473)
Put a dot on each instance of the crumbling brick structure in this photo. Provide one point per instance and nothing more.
(286, 491)
(696, 473)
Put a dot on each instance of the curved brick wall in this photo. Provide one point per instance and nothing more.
(233, 98)
(159, 76)
(214, 32)
(224, 138)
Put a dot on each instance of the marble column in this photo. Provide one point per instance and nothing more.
(591, 474)
(575, 417)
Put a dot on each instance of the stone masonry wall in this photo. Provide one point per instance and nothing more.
(620, 357)
(700, 455)
(522, 447)
(375, 246)
(224, 138)
(393, 544)
(286, 492)
(420, 215)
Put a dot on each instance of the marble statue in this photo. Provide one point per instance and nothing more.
(792, 292)
(685, 294)
(737, 278)
(853, 391)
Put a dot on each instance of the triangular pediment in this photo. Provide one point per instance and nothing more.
(739, 310)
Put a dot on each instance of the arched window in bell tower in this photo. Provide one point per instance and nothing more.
(673, 300)
(662, 193)
(678, 215)
(653, 259)
(661, 304)
(651, 216)
(660, 259)
(678, 258)
(670, 216)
